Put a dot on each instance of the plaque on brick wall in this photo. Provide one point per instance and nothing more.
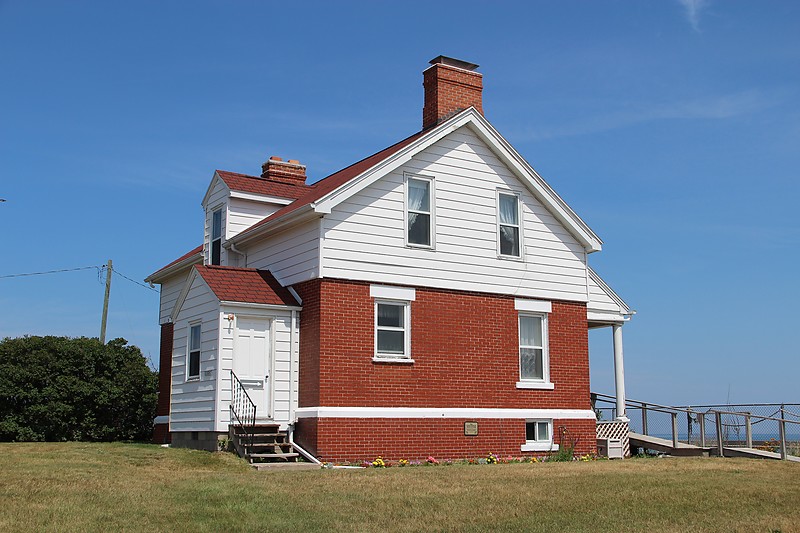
(470, 429)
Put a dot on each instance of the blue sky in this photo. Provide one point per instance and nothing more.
(671, 127)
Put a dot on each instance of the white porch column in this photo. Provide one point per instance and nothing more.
(619, 373)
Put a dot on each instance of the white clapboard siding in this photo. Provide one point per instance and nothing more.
(192, 403)
(283, 383)
(244, 213)
(602, 302)
(170, 291)
(291, 255)
(364, 235)
(217, 199)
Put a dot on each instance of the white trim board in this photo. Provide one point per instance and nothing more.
(442, 412)
(538, 306)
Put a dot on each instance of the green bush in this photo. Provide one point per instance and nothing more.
(61, 388)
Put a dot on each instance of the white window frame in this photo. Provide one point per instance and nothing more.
(431, 213)
(519, 225)
(405, 357)
(211, 238)
(190, 351)
(535, 383)
(539, 444)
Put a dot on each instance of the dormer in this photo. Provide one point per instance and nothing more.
(234, 202)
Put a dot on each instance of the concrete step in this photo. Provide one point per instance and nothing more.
(285, 455)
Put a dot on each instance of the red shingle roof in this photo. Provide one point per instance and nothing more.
(246, 285)
(187, 255)
(258, 185)
(336, 180)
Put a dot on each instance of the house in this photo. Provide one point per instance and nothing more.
(433, 298)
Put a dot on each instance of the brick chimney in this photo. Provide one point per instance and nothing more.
(451, 85)
(276, 169)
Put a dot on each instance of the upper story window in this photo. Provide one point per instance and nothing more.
(216, 237)
(508, 224)
(193, 356)
(419, 211)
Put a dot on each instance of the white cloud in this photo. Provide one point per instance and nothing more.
(693, 9)
(719, 107)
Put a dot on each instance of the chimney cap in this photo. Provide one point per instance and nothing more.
(453, 62)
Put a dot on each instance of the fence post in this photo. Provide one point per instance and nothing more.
(748, 430)
(720, 444)
(702, 422)
(644, 419)
(689, 426)
(782, 427)
(674, 430)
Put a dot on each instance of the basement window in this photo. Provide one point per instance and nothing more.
(216, 237)
(539, 436)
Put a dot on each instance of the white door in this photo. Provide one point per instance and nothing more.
(251, 361)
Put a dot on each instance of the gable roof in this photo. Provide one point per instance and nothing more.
(245, 285)
(192, 256)
(331, 183)
(338, 187)
(259, 185)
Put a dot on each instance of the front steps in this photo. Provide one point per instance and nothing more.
(269, 444)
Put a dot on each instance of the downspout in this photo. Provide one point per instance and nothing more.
(236, 250)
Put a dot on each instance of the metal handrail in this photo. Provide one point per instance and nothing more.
(700, 417)
(243, 408)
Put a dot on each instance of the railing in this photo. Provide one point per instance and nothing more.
(714, 426)
(243, 409)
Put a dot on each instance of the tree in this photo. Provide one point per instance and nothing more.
(62, 388)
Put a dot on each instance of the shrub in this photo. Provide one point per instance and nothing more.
(61, 388)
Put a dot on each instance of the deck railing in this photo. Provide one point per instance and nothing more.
(243, 409)
(714, 426)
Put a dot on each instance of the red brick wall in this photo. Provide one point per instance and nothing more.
(449, 90)
(466, 354)
(464, 345)
(358, 439)
(161, 431)
(309, 293)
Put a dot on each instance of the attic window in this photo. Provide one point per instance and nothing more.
(508, 224)
(216, 237)
(419, 211)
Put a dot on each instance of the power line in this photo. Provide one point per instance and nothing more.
(49, 272)
(118, 273)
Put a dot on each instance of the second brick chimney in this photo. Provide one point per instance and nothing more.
(451, 85)
(276, 169)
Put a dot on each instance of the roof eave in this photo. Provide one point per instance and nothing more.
(306, 212)
(166, 272)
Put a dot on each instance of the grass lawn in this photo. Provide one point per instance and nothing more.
(112, 487)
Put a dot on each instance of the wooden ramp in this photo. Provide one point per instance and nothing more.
(665, 446)
(755, 454)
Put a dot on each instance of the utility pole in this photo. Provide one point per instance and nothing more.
(109, 269)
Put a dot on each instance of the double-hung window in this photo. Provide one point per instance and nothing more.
(391, 330)
(193, 362)
(539, 436)
(508, 225)
(216, 237)
(392, 323)
(419, 211)
(532, 348)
